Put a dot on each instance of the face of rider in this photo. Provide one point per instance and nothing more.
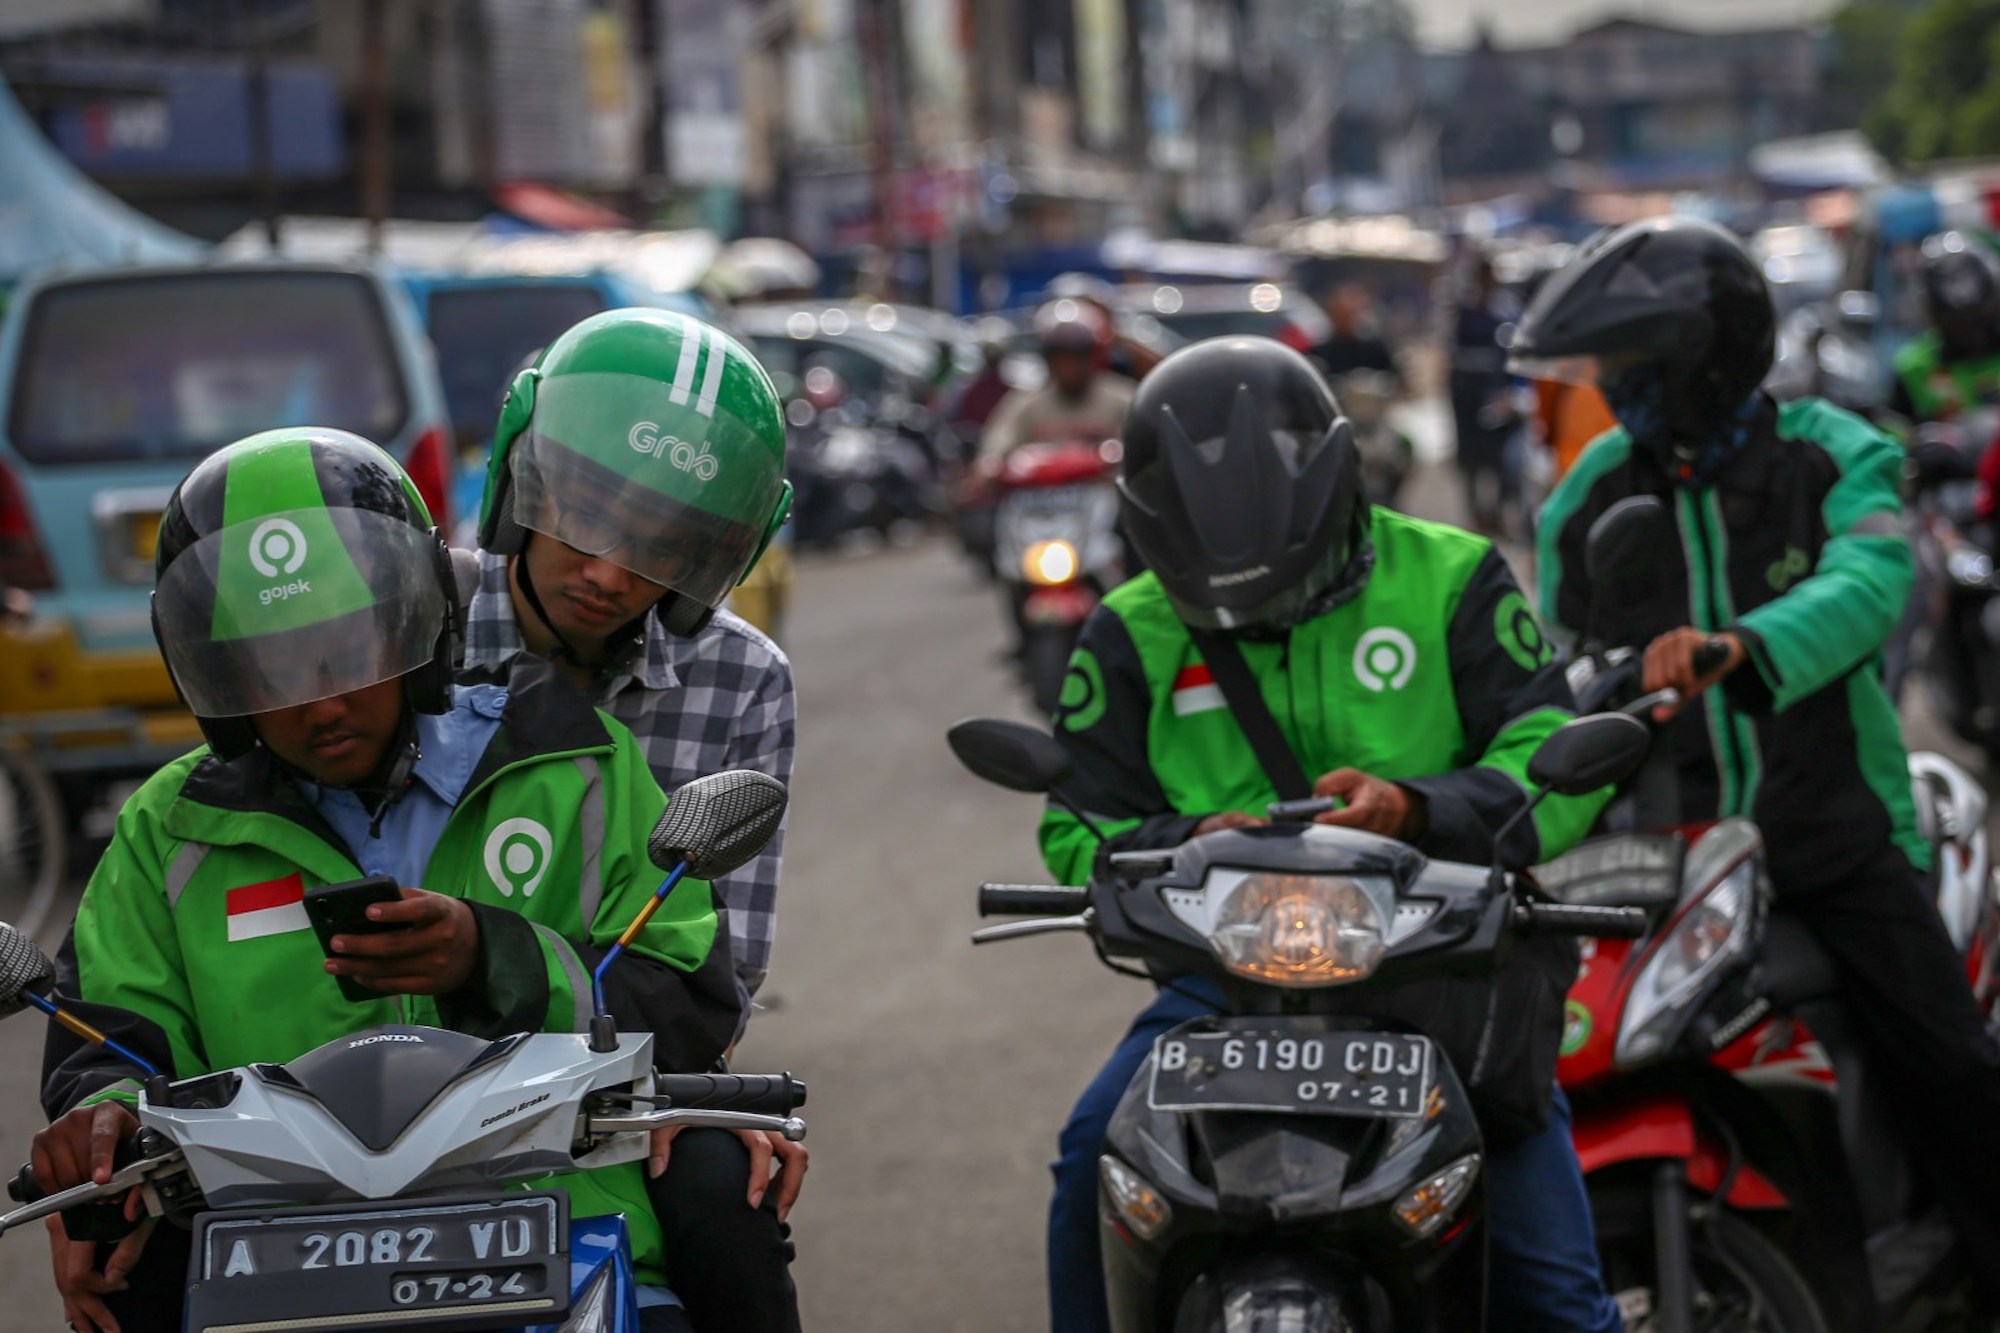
(339, 741)
(585, 597)
(1071, 370)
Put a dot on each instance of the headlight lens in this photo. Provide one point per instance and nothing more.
(1712, 931)
(1301, 930)
(1970, 568)
(1049, 563)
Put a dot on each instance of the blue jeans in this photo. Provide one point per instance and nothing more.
(1544, 1277)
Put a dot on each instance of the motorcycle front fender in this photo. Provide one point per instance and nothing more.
(1660, 1128)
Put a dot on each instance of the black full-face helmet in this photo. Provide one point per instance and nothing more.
(1241, 486)
(1671, 317)
(1962, 294)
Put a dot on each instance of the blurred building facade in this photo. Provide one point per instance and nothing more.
(898, 123)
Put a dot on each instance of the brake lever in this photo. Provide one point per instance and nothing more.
(1041, 925)
(639, 1122)
(1643, 706)
(145, 1173)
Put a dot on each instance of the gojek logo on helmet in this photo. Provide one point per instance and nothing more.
(277, 547)
(1384, 659)
(517, 855)
(646, 438)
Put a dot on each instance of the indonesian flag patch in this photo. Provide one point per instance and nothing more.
(273, 907)
(1195, 691)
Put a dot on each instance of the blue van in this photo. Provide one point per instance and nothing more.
(114, 382)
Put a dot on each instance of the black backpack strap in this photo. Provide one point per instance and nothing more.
(1246, 703)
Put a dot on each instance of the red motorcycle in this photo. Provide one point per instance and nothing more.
(1742, 1167)
(1056, 551)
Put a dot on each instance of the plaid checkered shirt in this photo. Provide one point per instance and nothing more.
(721, 699)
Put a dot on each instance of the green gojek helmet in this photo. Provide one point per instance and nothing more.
(649, 439)
(295, 565)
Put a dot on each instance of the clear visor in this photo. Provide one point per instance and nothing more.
(291, 607)
(655, 477)
(1583, 369)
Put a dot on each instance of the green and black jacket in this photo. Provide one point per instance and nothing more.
(1799, 549)
(1433, 674)
(154, 959)
(1930, 386)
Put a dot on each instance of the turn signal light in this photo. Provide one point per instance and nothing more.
(1430, 1205)
(1137, 1203)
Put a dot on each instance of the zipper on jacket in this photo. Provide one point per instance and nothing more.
(1725, 724)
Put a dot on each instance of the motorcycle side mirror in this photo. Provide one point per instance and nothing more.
(1590, 752)
(1626, 545)
(715, 824)
(24, 970)
(711, 826)
(1008, 754)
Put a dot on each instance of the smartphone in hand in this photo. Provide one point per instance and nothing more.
(342, 909)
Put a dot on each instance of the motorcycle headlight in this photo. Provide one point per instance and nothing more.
(1716, 929)
(1970, 568)
(1302, 930)
(1049, 563)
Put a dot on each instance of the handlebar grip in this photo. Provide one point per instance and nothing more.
(1031, 900)
(23, 1188)
(756, 1094)
(1563, 919)
(1710, 656)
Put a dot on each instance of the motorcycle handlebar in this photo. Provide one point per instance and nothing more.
(1565, 919)
(754, 1094)
(1031, 900)
(1710, 656)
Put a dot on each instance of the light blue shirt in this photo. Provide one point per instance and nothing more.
(449, 746)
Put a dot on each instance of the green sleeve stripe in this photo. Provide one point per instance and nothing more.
(1600, 457)
(125, 1090)
(1069, 849)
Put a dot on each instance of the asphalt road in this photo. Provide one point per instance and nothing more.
(939, 1074)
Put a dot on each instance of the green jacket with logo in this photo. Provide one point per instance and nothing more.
(1933, 387)
(1799, 549)
(152, 959)
(1433, 674)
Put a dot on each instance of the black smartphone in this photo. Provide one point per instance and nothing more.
(342, 909)
(1301, 810)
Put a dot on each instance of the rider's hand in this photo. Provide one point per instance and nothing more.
(81, 1285)
(432, 951)
(1228, 819)
(1374, 804)
(1670, 664)
(80, 1145)
(765, 1146)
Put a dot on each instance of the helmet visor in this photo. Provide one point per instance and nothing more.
(1585, 368)
(655, 477)
(304, 604)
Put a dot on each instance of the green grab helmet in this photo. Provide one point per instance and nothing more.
(295, 565)
(650, 439)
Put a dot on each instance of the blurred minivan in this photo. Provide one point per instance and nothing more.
(114, 383)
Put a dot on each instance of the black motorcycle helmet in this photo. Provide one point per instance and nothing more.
(1672, 312)
(1240, 485)
(1962, 294)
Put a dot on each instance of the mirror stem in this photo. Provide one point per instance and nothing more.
(1081, 818)
(603, 1031)
(157, 1087)
(1498, 876)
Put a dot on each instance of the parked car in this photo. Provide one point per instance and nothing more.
(113, 384)
(1192, 312)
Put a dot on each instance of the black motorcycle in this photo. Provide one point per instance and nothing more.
(1307, 1161)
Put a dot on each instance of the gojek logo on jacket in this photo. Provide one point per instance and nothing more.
(1384, 659)
(517, 855)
